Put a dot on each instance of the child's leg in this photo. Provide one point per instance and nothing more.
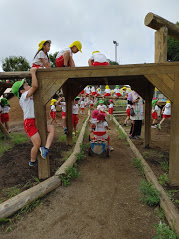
(66, 57)
(36, 145)
(51, 134)
(162, 120)
(74, 128)
(7, 125)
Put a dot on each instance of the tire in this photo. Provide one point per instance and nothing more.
(90, 151)
(108, 152)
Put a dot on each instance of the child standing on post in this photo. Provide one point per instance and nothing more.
(24, 92)
(41, 58)
(65, 56)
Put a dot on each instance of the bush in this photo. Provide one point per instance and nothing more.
(150, 196)
(164, 232)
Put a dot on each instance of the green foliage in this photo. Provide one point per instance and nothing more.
(11, 192)
(164, 232)
(163, 179)
(30, 206)
(164, 165)
(112, 62)
(160, 213)
(19, 138)
(15, 63)
(71, 173)
(137, 164)
(62, 138)
(150, 196)
(172, 48)
(52, 58)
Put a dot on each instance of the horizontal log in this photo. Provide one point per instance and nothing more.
(156, 22)
(5, 85)
(15, 75)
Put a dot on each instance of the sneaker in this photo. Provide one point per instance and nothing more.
(153, 126)
(135, 137)
(65, 130)
(159, 126)
(44, 152)
(124, 124)
(31, 164)
(111, 148)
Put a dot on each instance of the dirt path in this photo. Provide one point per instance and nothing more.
(102, 204)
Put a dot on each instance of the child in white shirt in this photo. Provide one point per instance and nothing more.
(98, 59)
(4, 113)
(75, 118)
(101, 107)
(82, 105)
(166, 113)
(111, 109)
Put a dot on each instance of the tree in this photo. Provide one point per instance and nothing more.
(14, 63)
(112, 62)
(52, 58)
(172, 48)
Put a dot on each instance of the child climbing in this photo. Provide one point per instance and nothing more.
(65, 56)
(111, 105)
(101, 107)
(75, 118)
(53, 111)
(98, 59)
(166, 111)
(24, 92)
(41, 58)
(155, 108)
(4, 113)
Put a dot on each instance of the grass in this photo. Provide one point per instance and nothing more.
(150, 196)
(71, 173)
(164, 232)
(11, 192)
(163, 179)
(137, 164)
(160, 214)
(164, 165)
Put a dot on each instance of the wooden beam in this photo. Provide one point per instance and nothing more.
(41, 121)
(174, 137)
(161, 45)
(156, 22)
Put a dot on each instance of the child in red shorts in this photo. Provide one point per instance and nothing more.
(128, 114)
(98, 59)
(111, 105)
(65, 56)
(41, 59)
(4, 113)
(53, 111)
(24, 92)
(155, 108)
(75, 118)
(166, 111)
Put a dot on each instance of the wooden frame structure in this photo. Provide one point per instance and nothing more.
(141, 77)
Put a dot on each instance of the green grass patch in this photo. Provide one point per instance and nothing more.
(164, 232)
(62, 138)
(19, 138)
(11, 192)
(137, 164)
(163, 179)
(71, 173)
(164, 165)
(150, 196)
(160, 213)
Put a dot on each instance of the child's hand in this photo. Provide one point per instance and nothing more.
(33, 70)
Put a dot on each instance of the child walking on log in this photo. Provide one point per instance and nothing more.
(41, 58)
(24, 92)
(65, 56)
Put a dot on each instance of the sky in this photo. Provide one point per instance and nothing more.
(95, 23)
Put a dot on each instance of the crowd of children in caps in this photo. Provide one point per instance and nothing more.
(88, 97)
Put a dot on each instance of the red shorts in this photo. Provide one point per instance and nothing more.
(110, 110)
(154, 115)
(100, 63)
(94, 93)
(74, 119)
(98, 94)
(30, 127)
(53, 114)
(118, 94)
(107, 94)
(82, 108)
(128, 112)
(37, 66)
(4, 117)
(91, 105)
(63, 114)
(60, 61)
(166, 116)
(82, 92)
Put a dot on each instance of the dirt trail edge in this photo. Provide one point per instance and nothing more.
(103, 203)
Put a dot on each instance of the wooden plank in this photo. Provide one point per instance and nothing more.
(167, 80)
(41, 122)
(174, 137)
(161, 45)
(157, 82)
(171, 76)
(156, 22)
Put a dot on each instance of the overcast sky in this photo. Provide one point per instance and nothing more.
(96, 23)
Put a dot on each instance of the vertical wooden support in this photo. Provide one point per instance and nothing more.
(41, 122)
(69, 98)
(148, 107)
(174, 137)
(161, 45)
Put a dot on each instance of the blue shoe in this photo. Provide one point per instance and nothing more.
(31, 164)
(65, 130)
(44, 152)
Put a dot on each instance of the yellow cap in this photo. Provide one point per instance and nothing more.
(168, 101)
(124, 88)
(77, 44)
(42, 43)
(53, 101)
(95, 52)
(107, 87)
(156, 89)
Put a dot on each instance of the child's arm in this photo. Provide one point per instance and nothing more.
(47, 65)
(90, 62)
(34, 82)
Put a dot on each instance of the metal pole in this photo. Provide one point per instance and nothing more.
(116, 45)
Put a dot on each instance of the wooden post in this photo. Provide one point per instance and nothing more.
(174, 137)
(161, 45)
(41, 122)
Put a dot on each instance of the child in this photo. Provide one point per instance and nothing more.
(75, 118)
(98, 59)
(53, 111)
(128, 115)
(101, 126)
(62, 102)
(93, 121)
(107, 91)
(166, 113)
(41, 58)
(98, 91)
(93, 91)
(24, 92)
(111, 109)
(87, 90)
(4, 111)
(117, 91)
(155, 108)
(65, 56)
(101, 107)
(91, 103)
(82, 105)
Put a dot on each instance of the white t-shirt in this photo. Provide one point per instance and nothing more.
(60, 53)
(53, 108)
(111, 105)
(107, 91)
(82, 104)
(155, 108)
(128, 106)
(4, 109)
(100, 126)
(99, 91)
(117, 90)
(87, 90)
(75, 109)
(63, 104)
(101, 108)
(27, 105)
(99, 57)
(93, 89)
(39, 56)
(167, 110)
(94, 120)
